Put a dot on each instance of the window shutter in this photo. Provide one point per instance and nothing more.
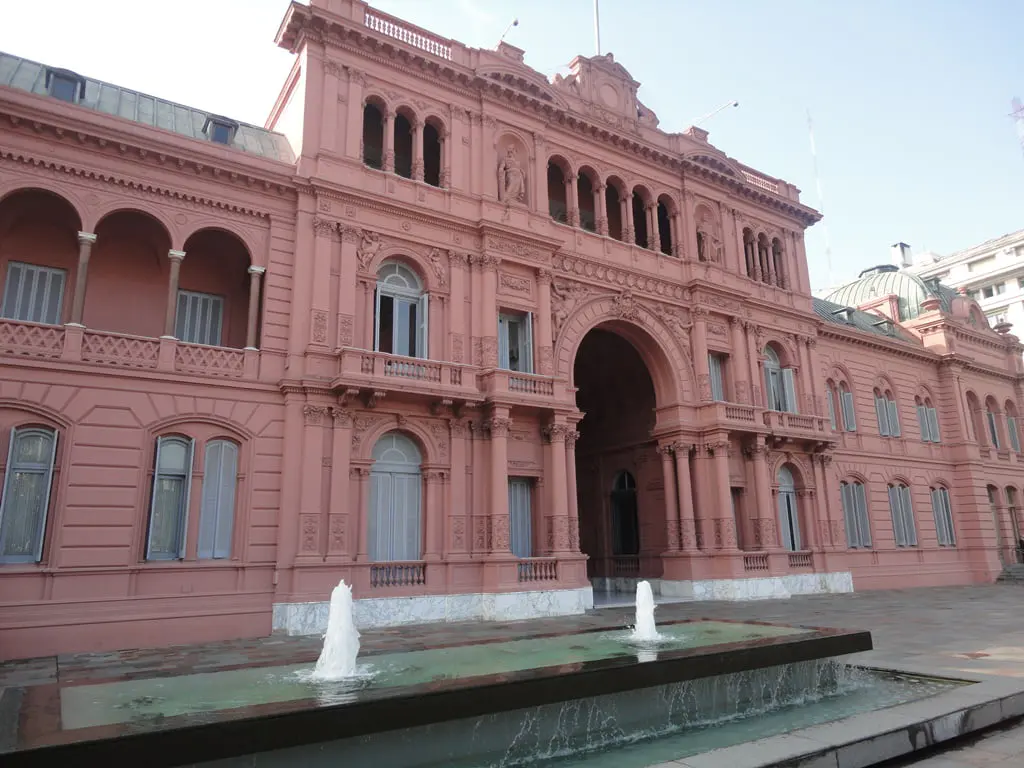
(1011, 430)
(25, 500)
(520, 517)
(405, 517)
(787, 530)
(715, 369)
(993, 429)
(882, 414)
(503, 334)
(830, 395)
(769, 389)
(922, 423)
(376, 320)
(909, 525)
(789, 390)
(217, 510)
(897, 518)
(849, 514)
(526, 357)
(861, 505)
(33, 294)
(849, 415)
(933, 422)
(948, 515)
(894, 418)
(423, 330)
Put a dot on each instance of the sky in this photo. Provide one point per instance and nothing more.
(910, 99)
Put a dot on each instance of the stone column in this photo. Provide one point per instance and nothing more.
(684, 489)
(765, 536)
(542, 336)
(347, 298)
(600, 209)
(255, 275)
(320, 275)
(674, 229)
(699, 335)
(753, 356)
(653, 235)
(827, 537)
(740, 365)
(389, 141)
(362, 476)
(689, 227)
(626, 215)
(310, 494)
(498, 425)
(813, 372)
(354, 115)
(458, 500)
(457, 310)
(433, 519)
(770, 262)
(86, 240)
(703, 484)
(671, 499)
(742, 258)
(725, 523)
(558, 518)
(446, 162)
(340, 529)
(572, 207)
(417, 150)
(489, 305)
(176, 258)
(571, 436)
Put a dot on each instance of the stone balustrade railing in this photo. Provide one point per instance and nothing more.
(403, 574)
(537, 569)
(407, 33)
(76, 344)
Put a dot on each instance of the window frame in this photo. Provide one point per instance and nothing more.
(853, 500)
(525, 352)
(993, 427)
(218, 550)
(38, 271)
(717, 362)
(943, 514)
(848, 409)
(49, 472)
(902, 512)
(215, 301)
(1013, 432)
(417, 298)
(185, 502)
(780, 384)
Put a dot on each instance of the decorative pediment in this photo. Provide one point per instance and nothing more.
(602, 81)
(523, 80)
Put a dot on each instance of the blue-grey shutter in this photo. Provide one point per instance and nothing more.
(33, 294)
(1011, 430)
(789, 390)
(849, 415)
(897, 518)
(933, 422)
(861, 506)
(405, 516)
(894, 418)
(423, 328)
(503, 340)
(882, 414)
(849, 514)
(907, 510)
(830, 397)
(217, 512)
(526, 358)
(520, 517)
(715, 371)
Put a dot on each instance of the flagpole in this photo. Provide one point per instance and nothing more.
(597, 27)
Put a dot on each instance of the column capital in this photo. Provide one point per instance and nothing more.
(86, 237)
(544, 275)
(682, 448)
(257, 270)
(174, 255)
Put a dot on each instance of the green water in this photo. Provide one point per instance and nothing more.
(149, 700)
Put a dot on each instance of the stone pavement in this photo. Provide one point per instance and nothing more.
(977, 630)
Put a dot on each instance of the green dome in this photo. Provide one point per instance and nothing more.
(910, 290)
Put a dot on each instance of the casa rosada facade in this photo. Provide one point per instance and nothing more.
(478, 343)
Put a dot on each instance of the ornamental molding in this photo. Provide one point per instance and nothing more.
(145, 157)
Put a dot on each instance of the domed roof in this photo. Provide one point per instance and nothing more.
(910, 290)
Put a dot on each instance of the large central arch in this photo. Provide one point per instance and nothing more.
(624, 373)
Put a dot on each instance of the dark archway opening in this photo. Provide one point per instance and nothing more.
(613, 209)
(619, 485)
(640, 221)
(431, 155)
(403, 146)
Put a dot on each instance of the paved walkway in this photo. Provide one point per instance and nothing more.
(956, 630)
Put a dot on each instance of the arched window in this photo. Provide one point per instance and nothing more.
(830, 399)
(585, 201)
(846, 398)
(976, 417)
(25, 501)
(217, 511)
(625, 524)
(927, 420)
(373, 136)
(403, 145)
(558, 203)
(887, 413)
(943, 512)
(402, 312)
(393, 533)
(902, 510)
(779, 383)
(172, 477)
(855, 514)
(614, 203)
(664, 226)
(789, 512)
(1012, 431)
(641, 228)
(750, 254)
(433, 142)
(992, 420)
(777, 263)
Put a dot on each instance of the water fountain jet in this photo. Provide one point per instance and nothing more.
(645, 629)
(341, 642)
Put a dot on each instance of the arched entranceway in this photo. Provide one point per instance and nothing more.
(789, 511)
(395, 514)
(618, 477)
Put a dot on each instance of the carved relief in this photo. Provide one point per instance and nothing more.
(369, 246)
(319, 326)
(716, 329)
(438, 266)
(498, 426)
(489, 351)
(310, 528)
(345, 330)
(547, 362)
(514, 283)
(500, 533)
(457, 348)
(521, 250)
(459, 533)
(313, 415)
(337, 533)
(564, 298)
(511, 177)
(323, 227)
(625, 306)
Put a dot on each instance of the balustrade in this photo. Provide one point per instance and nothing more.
(538, 569)
(757, 561)
(801, 560)
(31, 339)
(408, 34)
(405, 574)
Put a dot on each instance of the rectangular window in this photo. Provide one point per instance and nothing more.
(999, 288)
(401, 325)
(25, 499)
(943, 517)
(168, 513)
(788, 391)
(882, 412)
(217, 513)
(933, 422)
(849, 417)
(922, 423)
(987, 292)
(993, 429)
(855, 514)
(830, 397)
(33, 294)
(894, 418)
(64, 88)
(1012, 433)
(520, 516)
(200, 318)
(902, 511)
(716, 367)
(515, 342)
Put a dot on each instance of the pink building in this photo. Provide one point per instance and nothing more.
(479, 343)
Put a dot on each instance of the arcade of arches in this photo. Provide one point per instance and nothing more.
(655, 500)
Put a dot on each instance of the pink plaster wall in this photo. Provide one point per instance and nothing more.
(307, 407)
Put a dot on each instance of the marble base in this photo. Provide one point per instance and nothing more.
(762, 588)
(311, 618)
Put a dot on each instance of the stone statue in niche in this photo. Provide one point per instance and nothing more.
(511, 178)
(437, 265)
(369, 246)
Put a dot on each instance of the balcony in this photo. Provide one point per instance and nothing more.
(737, 417)
(524, 388)
(383, 372)
(75, 344)
(796, 426)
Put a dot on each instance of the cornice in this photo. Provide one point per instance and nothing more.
(867, 340)
(303, 24)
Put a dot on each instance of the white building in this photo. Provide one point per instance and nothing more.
(991, 273)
